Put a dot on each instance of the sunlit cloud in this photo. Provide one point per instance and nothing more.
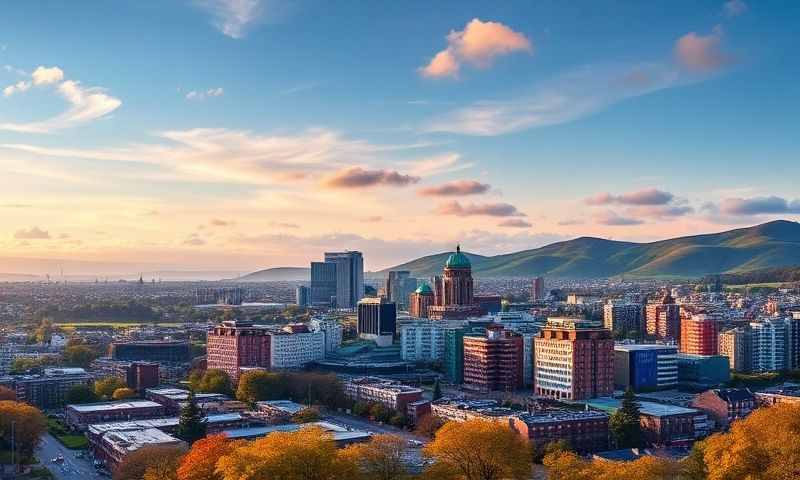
(455, 188)
(649, 196)
(473, 209)
(357, 177)
(33, 233)
(233, 18)
(702, 53)
(515, 223)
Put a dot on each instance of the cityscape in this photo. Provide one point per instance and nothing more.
(298, 240)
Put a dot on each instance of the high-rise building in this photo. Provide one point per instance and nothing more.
(537, 289)
(737, 345)
(332, 330)
(323, 283)
(295, 345)
(349, 277)
(422, 341)
(234, 344)
(793, 341)
(699, 335)
(454, 354)
(453, 291)
(623, 318)
(302, 296)
(769, 344)
(664, 319)
(573, 360)
(493, 361)
(377, 320)
(420, 300)
(142, 375)
(645, 367)
(399, 286)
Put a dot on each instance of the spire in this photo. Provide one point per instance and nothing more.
(458, 248)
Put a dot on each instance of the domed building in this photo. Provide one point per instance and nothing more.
(421, 300)
(453, 291)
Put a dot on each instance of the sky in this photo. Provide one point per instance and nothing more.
(244, 134)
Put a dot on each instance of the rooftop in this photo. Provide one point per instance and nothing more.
(339, 433)
(561, 415)
(100, 428)
(132, 440)
(622, 347)
(653, 409)
(458, 260)
(112, 406)
(286, 406)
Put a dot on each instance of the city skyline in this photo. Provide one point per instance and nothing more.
(222, 135)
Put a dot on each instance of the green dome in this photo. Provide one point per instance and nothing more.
(458, 260)
(424, 289)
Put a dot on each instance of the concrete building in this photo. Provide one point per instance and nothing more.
(451, 410)
(332, 330)
(151, 351)
(391, 394)
(81, 416)
(302, 296)
(699, 335)
(279, 411)
(294, 346)
(113, 447)
(49, 389)
(537, 290)
(420, 300)
(624, 318)
(663, 319)
(737, 344)
(235, 344)
(494, 361)
(793, 341)
(769, 345)
(645, 367)
(703, 370)
(323, 283)
(724, 405)
(399, 287)
(349, 277)
(454, 354)
(422, 341)
(573, 360)
(377, 320)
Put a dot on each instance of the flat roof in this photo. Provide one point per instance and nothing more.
(133, 440)
(100, 428)
(644, 346)
(287, 406)
(648, 408)
(339, 433)
(111, 406)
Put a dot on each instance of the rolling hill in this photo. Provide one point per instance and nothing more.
(769, 245)
(285, 274)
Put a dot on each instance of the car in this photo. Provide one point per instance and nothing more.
(415, 443)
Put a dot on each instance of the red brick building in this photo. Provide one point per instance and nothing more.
(573, 360)
(586, 431)
(494, 361)
(699, 335)
(420, 300)
(236, 344)
(142, 375)
(663, 319)
(724, 405)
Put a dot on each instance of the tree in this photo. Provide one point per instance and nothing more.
(379, 412)
(44, 333)
(81, 393)
(379, 459)
(428, 425)
(567, 466)
(105, 387)
(625, 425)
(192, 423)
(308, 454)
(29, 425)
(78, 356)
(258, 385)
(360, 409)
(214, 381)
(156, 459)
(306, 415)
(123, 393)
(7, 394)
(437, 390)
(480, 450)
(200, 463)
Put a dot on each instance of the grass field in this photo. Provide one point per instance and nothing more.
(73, 442)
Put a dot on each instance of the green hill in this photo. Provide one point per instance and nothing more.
(770, 245)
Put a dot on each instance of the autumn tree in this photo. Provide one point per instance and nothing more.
(123, 393)
(80, 393)
(306, 415)
(105, 387)
(7, 394)
(192, 424)
(155, 459)
(563, 465)
(214, 380)
(379, 459)
(427, 425)
(200, 463)
(78, 356)
(29, 425)
(625, 425)
(258, 385)
(480, 450)
(308, 454)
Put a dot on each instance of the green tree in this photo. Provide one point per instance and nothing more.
(78, 356)
(437, 390)
(105, 387)
(306, 415)
(214, 381)
(624, 424)
(192, 424)
(78, 394)
(258, 385)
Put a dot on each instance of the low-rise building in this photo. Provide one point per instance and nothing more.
(377, 390)
(114, 446)
(662, 424)
(80, 417)
(341, 435)
(175, 398)
(462, 410)
(49, 389)
(585, 431)
(724, 405)
(644, 367)
(276, 411)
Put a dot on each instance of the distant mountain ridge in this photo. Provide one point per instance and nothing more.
(769, 245)
(277, 274)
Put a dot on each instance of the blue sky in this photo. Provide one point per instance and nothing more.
(308, 125)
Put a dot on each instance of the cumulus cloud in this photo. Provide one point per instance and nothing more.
(357, 177)
(85, 104)
(759, 206)
(649, 196)
(562, 99)
(608, 217)
(33, 233)
(233, 17)
(472, 209)
(478, 45)
(514, 223)
(702, 53)
(455, 188)
(734, 8)
(202, 95)
(18, 87)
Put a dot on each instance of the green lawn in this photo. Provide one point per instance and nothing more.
(69, 440)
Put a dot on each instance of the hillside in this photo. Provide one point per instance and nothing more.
(285, 274)
(770, 245)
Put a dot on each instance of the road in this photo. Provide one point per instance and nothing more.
(73, 468)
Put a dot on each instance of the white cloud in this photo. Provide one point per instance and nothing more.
(563, 99)
(47, 76)
(202, 95)
(734, 8)
(702, 53)
(18, 87)
(233, 17)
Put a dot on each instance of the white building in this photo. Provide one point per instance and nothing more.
(422, 341)
(332, 330)
(294, 350)
(769, 344)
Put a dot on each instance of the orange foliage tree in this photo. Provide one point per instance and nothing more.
(200, 463)
(7, 394)
(152, 460)
(29, 425)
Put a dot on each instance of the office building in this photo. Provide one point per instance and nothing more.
(377, 319)
(323, 283)
(493, 362)
(295, 346)
(391, 394)
(703, 370)
(573, 360)
(420, 300)
(422, 341)
(399, 287)
(737, 345)
(645, 367)
(537, 290)
(142, 375)
(349, 277)
(699, 335)
(235, 344)
(302, 296)
(151, 351)
(584, 431)
(332, 330)
(454, 354)
(769, 344)
(663, 319)
(81, 416)
(623, 318)
(49, 389)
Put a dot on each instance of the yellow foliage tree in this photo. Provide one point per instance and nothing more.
(379, 459)
(480, 450)
(123, 393)
(568, 466)
(105, 387)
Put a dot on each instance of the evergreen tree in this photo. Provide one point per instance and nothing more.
(192, 425)
(624, 423)
(437, 390)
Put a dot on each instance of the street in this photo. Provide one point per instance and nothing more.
(72, 468)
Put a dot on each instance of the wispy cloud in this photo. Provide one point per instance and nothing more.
(455, 188)
(33, 233)
(515, 223)
(304, 87)
(233, 18)
(734, 8)
(202, 95)
(702, 53)
(473, 209)
(357, 177)
(436, 165)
